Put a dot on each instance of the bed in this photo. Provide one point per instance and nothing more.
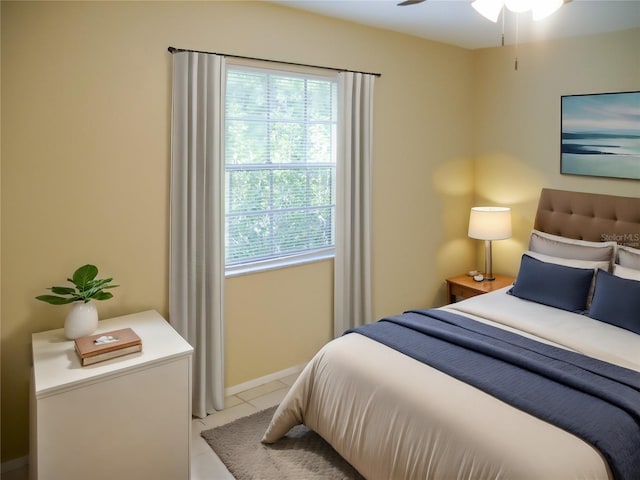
(393, 416)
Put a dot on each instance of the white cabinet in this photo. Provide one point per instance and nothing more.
(125, 418)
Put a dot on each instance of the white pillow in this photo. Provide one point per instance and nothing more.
(629, 257)
(563, 247)
(572, 262)
(624, 272)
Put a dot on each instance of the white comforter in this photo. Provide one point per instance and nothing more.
(393, 417)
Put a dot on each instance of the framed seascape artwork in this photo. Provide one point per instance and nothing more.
(601, 135)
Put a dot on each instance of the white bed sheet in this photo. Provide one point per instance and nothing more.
(565, 329)
(393, 417)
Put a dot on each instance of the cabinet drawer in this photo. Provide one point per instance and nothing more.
(462, 291)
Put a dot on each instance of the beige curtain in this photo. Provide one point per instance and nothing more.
(352, 282)
(196, 270)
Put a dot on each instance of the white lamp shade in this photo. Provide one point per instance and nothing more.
(489, 9)
(490, 223)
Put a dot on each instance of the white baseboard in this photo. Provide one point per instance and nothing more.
(262, 380)
(14, 464)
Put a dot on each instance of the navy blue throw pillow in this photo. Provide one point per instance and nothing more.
(551, 284)
(616, 301)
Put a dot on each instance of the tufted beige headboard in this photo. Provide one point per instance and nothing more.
(589, 216)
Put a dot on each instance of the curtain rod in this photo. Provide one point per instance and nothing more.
(178, 50)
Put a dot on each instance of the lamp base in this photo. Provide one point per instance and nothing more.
(488, 264)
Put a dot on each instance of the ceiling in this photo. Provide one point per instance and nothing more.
(456, 22)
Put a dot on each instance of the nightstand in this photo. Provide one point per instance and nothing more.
(128, 417)
(465, 286)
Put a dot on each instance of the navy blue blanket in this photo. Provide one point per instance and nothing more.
(596, 401)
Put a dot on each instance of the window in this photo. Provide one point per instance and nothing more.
(280, 167)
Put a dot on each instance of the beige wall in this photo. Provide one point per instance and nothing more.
(85, 163)
(517, 122)
(85, 171)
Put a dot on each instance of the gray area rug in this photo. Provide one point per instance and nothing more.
(301, 455)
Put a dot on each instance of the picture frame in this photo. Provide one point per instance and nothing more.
(600, 135)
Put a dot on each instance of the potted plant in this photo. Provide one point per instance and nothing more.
(82, 319)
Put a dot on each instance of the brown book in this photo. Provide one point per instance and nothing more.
(103, 346)
(101, 357)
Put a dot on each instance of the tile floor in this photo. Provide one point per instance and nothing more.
(205, 464)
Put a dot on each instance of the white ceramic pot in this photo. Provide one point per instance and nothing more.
(82, 320)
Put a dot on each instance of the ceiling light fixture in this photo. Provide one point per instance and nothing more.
(490, 9)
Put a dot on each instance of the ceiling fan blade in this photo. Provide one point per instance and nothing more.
(409, 2)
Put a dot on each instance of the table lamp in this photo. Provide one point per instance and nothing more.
(489, 223)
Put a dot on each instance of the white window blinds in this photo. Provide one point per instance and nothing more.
(280, 164)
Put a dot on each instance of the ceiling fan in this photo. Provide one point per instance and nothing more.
(491, 9)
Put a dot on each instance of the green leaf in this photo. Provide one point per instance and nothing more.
(87, 288)
(99, 283)
(102, 296)
(54, 299)
(84, 274)
(63, 290)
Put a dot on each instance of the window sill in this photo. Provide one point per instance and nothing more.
(256, 267)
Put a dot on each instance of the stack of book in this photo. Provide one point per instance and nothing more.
(104, 346)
